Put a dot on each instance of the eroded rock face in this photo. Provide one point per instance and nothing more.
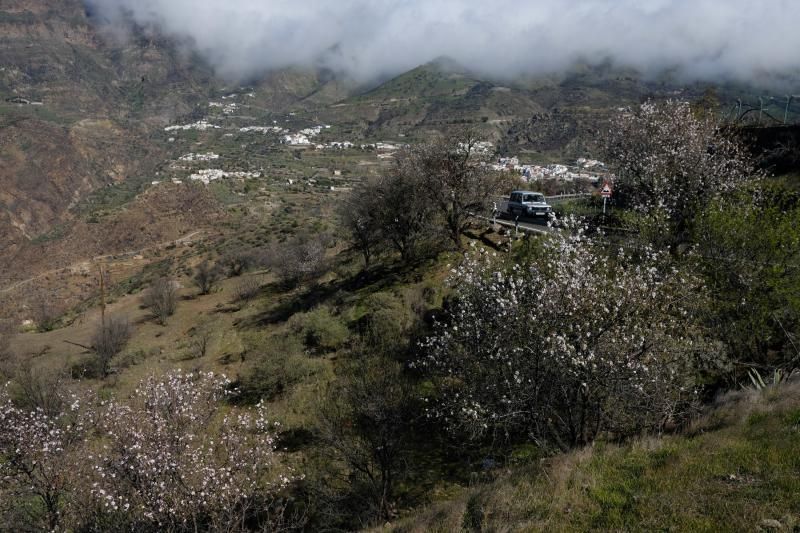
(77, 104)
(47, 168)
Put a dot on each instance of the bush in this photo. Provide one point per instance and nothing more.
(364, 424)
(201, 337)
(320, 329)
(748, 251)
(6, 332)
(247, 288)
(386, 320)
(86, 367)
(45, 312)
(236, 263)
(109, 340)
(162, 299)
(298, 260)
(274, 374)
(206, 276)
(36, 388)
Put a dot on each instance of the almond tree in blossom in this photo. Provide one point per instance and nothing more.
(671, 162)
(560, 351)
(174, 457)
(39, 456)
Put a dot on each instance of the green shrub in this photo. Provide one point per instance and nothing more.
(749, 254)
(276, 372)
(385, 319)
(86, 367)
(320, 329)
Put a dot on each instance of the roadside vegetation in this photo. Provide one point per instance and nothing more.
(412, 369)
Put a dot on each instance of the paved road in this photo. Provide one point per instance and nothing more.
(534, 225)
(530, 224)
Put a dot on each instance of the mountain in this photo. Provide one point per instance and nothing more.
(81, 107)
(433, 97)
(76, 110)
(547, 116)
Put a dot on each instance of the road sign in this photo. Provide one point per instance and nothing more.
(605, 192)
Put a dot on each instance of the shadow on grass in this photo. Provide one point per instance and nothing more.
(305, 298)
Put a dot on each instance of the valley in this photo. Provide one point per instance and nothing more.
(296, 300)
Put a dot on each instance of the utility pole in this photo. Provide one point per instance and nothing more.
(786, 112)
(102, 296)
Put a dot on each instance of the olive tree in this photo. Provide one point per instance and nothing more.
(358, 214)
(402, 211)
(430, 195)
(457, 180)
(364, 426)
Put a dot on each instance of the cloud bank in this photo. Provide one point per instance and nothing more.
(704, 39)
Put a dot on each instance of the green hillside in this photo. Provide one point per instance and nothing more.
(736, 469)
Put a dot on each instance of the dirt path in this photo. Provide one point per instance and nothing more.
(181, 240)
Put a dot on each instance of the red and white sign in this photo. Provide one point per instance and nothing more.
(606, 191)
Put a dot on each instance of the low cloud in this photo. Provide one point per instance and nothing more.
(368, 39)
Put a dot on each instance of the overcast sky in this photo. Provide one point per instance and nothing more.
(740, 39)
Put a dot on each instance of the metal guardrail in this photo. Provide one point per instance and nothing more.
(567, 196)
(515, 225)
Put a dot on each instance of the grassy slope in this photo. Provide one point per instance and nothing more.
(734, 468)
(737, 468)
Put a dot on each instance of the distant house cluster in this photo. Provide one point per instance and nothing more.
(296, 139)
(191, 157)
(480, 147)
(336, 145)
(304, 136)
(201, 125)
(263, 129)
(384, 149)
(588, 169)
(227, 108)
(589, 164)
(22, 101)
(213, 174)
